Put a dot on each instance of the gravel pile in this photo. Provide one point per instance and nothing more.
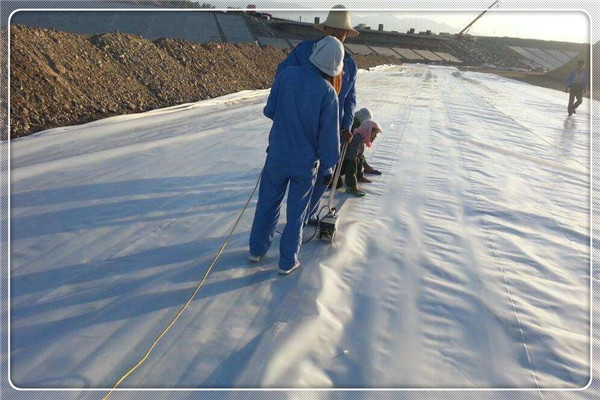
(3, 83)
(223, 68)
(60, 78)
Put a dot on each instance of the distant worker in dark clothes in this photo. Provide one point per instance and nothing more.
(363, 137)
(304, 138)
(576, 84)
(337, 25)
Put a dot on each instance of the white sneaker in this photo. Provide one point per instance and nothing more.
(254, 258)
(289, 271)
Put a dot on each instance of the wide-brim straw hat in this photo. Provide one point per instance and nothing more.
(338, 18)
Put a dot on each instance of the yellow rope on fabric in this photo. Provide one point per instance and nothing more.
(189, 301)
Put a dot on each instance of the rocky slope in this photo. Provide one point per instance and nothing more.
(60, 78)
(3, 83)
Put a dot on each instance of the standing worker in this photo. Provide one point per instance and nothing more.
(304, 138)
(576, 84)
(337, 25)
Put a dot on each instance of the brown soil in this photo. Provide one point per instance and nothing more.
(3, 83)
(60, 78)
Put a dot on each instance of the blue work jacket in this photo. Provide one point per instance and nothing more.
(571, 78)
(304, 110)
(347, 97)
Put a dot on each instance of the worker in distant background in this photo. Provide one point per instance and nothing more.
(304, 138)
(337, 25)
(576, 84)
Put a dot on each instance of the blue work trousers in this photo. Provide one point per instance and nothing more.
(276, 177)
(318, 191)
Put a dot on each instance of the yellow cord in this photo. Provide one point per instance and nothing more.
(185, 306)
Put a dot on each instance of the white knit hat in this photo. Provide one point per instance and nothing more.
(338, 18)
(363, 114)
(328, 55)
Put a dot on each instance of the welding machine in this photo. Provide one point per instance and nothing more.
(328, 224)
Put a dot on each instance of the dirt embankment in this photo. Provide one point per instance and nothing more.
(60, 78)
(3, 83)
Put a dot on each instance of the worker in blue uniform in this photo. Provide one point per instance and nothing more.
(303, 142)
(576, 84)
(338, 25)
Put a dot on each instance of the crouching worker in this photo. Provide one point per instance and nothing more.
(304, 140)
(363, 168)
(359, 117)
(363, 136)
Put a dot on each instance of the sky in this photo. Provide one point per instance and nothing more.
(545, 25)
(570, 26)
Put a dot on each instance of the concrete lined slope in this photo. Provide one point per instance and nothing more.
(193, 25)
(529, 57)
(266, 41)
(555, 59)
(384, 51)
(549, 59)
(448, 57)
(564, 58)
(407, 53)
(562, 72)
(429, 55)
(234, 28)
(466, 265)
(358, 49)
(295, 42)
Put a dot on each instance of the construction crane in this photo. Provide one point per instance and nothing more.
(466, 28)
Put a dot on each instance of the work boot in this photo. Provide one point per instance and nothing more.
(283, 271)
(355, 191)
(254, 258)
(367, 169)
(364, 180)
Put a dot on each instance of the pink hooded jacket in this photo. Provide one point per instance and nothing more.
(366, 131)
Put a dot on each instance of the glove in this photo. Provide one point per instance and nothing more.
(346, 135)
(327, 179)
